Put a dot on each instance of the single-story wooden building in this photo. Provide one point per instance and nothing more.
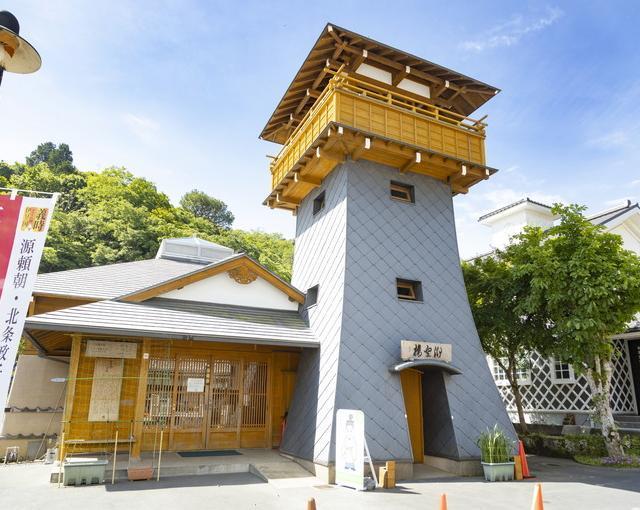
(199, 343)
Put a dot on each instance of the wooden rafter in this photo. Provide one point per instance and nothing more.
(345, 47)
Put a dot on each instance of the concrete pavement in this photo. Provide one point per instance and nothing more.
(566, 485)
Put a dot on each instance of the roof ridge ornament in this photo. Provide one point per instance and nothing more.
(242, 275)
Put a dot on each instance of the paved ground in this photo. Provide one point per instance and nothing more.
(566, 485)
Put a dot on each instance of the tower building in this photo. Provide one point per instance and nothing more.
(375, 143)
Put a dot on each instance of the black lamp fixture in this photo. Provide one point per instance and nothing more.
(16, 54)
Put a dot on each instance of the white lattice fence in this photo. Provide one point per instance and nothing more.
(544, 395)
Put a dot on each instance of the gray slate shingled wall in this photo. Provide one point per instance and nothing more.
(355, 249)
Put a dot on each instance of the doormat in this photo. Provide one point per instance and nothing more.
(209, 453)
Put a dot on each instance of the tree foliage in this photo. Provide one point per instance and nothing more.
(508, 333)
(587, 282)
(271, 250)
(204, 206)
(588, 286)
(113, 216)
(58, 158)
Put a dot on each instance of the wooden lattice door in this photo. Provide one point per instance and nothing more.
(224, 403)
(189, 427)
(219, 401)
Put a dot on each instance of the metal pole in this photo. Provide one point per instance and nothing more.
(155, 440)
(160, 456)
(61, 460)
(130, 443)
(115, 455)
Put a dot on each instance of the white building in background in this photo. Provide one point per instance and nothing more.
(551, 391)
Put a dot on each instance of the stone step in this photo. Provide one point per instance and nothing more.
(628, 418)
(171, 471)
(628, 425)
(277, 470)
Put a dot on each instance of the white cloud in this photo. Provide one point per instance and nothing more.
(510, 32)
(635, 183)
(617, 138)
(617, 202)
(143, 127)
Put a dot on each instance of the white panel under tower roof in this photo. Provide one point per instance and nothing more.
(374, 72)
(415, 87)
(192, 249)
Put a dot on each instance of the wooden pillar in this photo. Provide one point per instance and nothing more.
(271, 368)
(141, 397)
(74, 362)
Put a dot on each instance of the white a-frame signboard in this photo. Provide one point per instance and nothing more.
(351, 449)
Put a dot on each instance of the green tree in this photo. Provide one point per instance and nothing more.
(41, 178)
(204, 206)
(272, 250)
(589, 287)
(58, 157)
(113, 216)
(5, 171)
(496, 288)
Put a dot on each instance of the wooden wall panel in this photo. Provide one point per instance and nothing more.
(96, 434)
(263, 390)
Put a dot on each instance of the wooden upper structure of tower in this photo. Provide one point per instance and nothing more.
(355, 97)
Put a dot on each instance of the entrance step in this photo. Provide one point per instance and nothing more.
(284, 474)
(268, 465)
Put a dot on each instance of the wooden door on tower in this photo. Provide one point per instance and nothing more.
(412, 392)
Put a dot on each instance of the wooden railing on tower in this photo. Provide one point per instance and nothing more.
(373, 110)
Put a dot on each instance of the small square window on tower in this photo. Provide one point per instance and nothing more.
(409, 290)
(311, 297)
(318, 203)
(402, 192)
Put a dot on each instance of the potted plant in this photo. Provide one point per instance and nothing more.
(495, 452)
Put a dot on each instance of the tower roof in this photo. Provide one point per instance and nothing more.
(338, 46)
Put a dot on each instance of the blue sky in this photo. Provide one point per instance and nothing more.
(178, 91)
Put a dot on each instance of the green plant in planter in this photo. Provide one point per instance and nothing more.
(496, 454)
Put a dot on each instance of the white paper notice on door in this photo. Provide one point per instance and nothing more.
(195, 384)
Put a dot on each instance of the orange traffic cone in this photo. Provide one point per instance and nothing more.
(523, 461)
(443, 502)
(537, 503)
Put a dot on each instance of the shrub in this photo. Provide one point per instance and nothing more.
(590, 445)
(495, 446)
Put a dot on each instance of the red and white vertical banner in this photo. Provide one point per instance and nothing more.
(24, 222)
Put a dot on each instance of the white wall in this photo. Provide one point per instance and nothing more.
(511, 224)
(223, 289)
(415, 87)
(374, 72)
(631, 242)
(32, 388)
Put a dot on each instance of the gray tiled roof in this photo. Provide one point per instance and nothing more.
(177, 319)
(113, 280)
(521, 201)
(605, 217)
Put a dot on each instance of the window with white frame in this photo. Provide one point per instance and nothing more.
(561, 371)
(523, 373)
(499, 375)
